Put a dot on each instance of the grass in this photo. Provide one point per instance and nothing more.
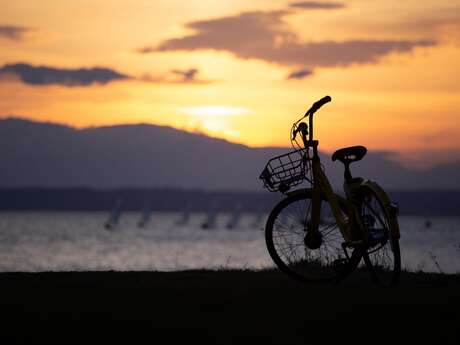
(224, 307)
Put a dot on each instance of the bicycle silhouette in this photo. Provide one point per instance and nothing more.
(316, 235)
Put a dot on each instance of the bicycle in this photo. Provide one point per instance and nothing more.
(316, 235)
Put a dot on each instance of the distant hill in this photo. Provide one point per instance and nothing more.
(145, 156)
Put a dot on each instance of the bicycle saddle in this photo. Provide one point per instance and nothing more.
(349, 154)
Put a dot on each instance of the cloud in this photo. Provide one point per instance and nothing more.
(186, 75)
(442, 23)
(300, 74)
(239, 34)
(266, 36)
(315, 5)
(176, 76)
(43, 75)
(15, 33)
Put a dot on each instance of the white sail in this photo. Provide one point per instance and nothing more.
(185, 216)
(114, 215)
(258, 220)
(234, 219)
(146, 215)
(210, 221)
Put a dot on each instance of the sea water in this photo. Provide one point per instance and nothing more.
(64, 241)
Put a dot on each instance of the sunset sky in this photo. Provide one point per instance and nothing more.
(241, 70)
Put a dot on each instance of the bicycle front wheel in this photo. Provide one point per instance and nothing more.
(285, 236)
(383, 256)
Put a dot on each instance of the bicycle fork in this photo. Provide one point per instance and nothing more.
(313, 238)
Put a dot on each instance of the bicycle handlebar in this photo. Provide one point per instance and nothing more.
(310, 112)
(318, 104)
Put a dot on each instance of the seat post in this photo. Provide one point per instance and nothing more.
(347, 173)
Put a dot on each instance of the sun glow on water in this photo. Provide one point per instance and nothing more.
(214, 119)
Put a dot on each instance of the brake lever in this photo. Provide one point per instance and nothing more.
(294, 132)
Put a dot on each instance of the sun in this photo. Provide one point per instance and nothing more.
(215, 120)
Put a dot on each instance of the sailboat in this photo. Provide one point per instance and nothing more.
(210, 221)
(185, 216)
(235, 219)
(146, 213)
(258, 219)
(114, 215)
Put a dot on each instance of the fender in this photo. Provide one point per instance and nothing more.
(391, 208)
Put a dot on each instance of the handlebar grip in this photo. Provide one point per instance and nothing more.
(322, 101)
(318, 104)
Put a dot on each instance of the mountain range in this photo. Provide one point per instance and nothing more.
(54, 156)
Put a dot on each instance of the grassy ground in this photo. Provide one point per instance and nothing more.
(224, 307)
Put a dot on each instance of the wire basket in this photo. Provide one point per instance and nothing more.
(285, 171)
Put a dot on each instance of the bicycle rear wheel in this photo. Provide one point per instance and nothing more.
(285, 236)
(383, 257)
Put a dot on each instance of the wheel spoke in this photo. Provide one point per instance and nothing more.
(288, 226)
(383, 259)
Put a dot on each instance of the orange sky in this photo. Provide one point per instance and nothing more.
(222, 67)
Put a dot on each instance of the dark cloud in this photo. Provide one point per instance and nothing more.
(43, 75)
(15, 33)
(188, 75)
(241, 34)
(315, 5)
(300, 74)
(266, 36)
(176, 76)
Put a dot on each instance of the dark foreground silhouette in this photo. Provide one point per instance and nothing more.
(224, 307)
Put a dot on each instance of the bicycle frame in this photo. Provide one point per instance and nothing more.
(322, 189)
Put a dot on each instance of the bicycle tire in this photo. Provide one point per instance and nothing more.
(383, 257)
(309, 270)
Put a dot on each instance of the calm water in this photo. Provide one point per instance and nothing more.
(79, 241)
